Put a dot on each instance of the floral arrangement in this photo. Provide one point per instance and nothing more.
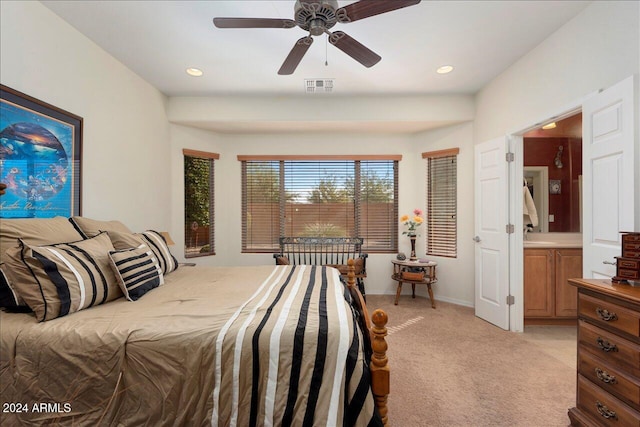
(412, 223)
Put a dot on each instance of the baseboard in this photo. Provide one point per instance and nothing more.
(437, 297)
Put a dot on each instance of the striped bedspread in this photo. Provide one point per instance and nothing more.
(213, 346)
(291, 355)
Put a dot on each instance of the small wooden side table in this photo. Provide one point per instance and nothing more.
(428, 270)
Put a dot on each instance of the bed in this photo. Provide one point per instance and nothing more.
(220, 346)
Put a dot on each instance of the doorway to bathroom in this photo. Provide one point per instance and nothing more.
(552, 159)
(552, 200)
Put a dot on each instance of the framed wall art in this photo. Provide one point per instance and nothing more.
(40, 158)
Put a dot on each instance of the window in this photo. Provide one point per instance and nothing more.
(319, 196)
(198, 203)
(442, 192)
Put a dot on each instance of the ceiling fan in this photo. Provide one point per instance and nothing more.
(317, 17)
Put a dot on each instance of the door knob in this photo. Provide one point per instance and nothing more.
(608, 262)
(476, 239)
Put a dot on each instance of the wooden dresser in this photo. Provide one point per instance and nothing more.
(608, 379)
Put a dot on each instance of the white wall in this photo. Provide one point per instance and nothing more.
(125, 149)
(596, 49)
(455, 275)
(329, 109)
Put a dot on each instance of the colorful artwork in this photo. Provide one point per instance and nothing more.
(40, 147)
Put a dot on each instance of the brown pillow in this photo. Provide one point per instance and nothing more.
(35, 231)
(282, 260)
(92, 227)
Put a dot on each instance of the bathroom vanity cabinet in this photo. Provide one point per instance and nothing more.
(548, 297)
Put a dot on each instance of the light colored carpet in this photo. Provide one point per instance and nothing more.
(450, 368)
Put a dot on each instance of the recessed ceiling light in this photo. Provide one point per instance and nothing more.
(551, 125)
(444, 69)
(195, 72)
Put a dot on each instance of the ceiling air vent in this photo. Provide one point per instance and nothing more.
(318, 85)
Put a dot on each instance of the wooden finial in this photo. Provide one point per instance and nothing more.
(380, 363)
(351, 273)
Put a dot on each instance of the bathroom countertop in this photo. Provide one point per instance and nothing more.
(552, 240)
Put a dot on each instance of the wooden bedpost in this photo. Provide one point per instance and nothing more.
(379, 362)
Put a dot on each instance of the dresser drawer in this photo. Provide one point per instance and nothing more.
(611, 348)
(631, 263)
(609, 378)
(625, 273)
(630, 238)
(629, 253)
(611, 314)
(603, 407)
(631, 246)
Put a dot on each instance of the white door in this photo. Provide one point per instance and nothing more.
(608, 176)
(492, 240)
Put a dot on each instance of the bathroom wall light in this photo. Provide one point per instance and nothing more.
(558, 160)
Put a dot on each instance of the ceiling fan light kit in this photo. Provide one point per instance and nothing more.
(317, 17)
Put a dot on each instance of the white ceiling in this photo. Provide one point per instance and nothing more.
(159, 39)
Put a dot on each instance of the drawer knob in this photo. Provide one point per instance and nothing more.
(605, 412)
(606, 315)
(606, 345)
(605, 377)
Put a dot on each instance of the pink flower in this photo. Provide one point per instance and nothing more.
(417, 212)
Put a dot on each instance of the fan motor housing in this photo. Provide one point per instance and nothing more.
(316, 17)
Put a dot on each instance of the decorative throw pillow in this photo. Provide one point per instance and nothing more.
(35, 231)
(137, 271)
(158, 245)
(57, 280)
(88, 227)
(9, 297)
(153, 239)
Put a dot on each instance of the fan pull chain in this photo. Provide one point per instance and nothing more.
(326, 50)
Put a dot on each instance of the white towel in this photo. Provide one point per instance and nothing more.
(529, 208)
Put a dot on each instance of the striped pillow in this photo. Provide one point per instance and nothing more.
(137, 271)
(9, 298)
(57, 280)
(158, 245)
(151, 238)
